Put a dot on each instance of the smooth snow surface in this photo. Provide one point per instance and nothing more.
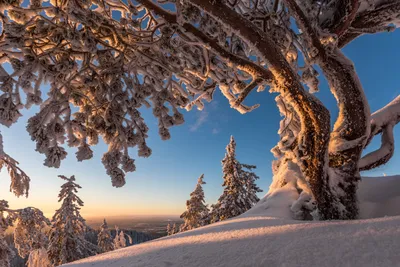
(254, 239)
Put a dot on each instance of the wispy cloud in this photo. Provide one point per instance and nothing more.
(201, 119)
(216, 131)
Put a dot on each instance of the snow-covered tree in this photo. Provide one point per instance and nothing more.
(120, 240)
(67, 234)
(19, 180)
(29, 236)
(5, 222)
(196, 213)
(240, 190)
(109, 67)
(170, 229)
(104, 239)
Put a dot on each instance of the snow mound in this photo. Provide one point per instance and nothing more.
(265, 237)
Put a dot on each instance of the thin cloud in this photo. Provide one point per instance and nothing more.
(215, 131)
(201, 119)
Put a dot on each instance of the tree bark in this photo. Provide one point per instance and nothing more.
(314, 117)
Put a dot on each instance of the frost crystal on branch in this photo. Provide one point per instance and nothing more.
(67, 234)
(196, 213)
(104, 240)
(240, 190)
(103, 69)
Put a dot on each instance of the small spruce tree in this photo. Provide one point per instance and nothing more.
(120, 240)
(240, 192)
(67, 233)
(104, 239)
(196, 213)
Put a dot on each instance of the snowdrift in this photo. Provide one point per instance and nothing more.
(262, 238)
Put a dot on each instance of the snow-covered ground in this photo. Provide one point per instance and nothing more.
(266, 237)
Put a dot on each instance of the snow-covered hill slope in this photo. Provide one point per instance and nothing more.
(257, 239)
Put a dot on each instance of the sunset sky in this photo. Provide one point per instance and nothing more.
(163, 182)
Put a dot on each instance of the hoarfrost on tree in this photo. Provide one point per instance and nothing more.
(110, 67)
(197, 213)
(104, 239)
(67, 241)
(29, 236)
(240, 190)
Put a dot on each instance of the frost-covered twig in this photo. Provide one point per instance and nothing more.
(382, 121)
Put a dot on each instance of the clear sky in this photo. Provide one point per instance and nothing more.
(163, 182)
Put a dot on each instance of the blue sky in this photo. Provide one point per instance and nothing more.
(163, 182)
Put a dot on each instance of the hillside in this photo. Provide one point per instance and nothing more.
(264, 237)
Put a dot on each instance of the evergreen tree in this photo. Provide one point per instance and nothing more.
(67, 234)
(240, 189)
(175, 229)
(30, 238)
(5, 251)
(104, 239)
(169, 229)
(196, 213)
(120, 240)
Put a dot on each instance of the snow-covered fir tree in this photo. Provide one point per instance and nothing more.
(178, 60)
(5, 222)
(30, 238)
(197, 212)
(169, 229)
(174, 229)
(104, 239)
(120, 240)
(239, 187)
(67, 234)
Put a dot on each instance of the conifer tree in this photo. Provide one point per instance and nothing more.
(67, 234)
(169, 229)
(104, 239)
(29, 238)
(196, 213)
(120, 240)
(240, 189)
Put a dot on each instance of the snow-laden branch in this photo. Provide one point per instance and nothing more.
(314, 118)
(370, 20)
(352, 127)
(259, 73)
(19, 180)
(382, 121)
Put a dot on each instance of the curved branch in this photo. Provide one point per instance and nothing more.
(345, 12)
(352, 127)
(382, 121)
(389, 114)
(382, 155)
(241, 63)
(314, 117)
(380, 16)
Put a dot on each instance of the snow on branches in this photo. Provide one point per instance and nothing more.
(240, 190)
(196, 213)
(19, 180)
(29, 236)
(67, 234)
(107, 60)
(104, 240)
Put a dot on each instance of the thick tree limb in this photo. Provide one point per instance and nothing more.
(241, 63)
(314, 117)
(382, 155)
(382, 121)
(344, 14)
(380, 16)
(352, 126)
